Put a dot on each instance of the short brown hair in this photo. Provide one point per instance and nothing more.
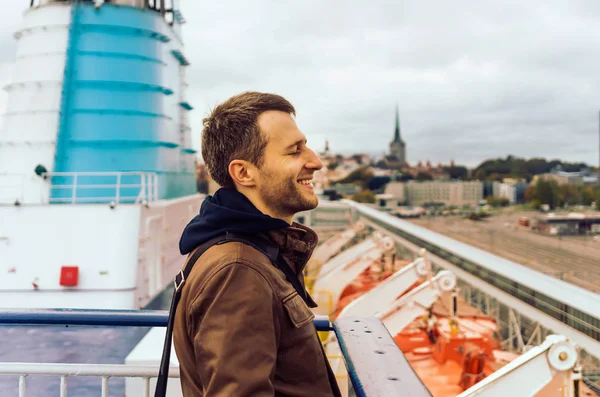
(231, 132)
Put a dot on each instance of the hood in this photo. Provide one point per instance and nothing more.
(227, 211)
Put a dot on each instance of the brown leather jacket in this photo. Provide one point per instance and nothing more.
(242, 330)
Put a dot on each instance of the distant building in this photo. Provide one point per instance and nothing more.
(583, 176)
(395, 192)
(508, 192)
(456, 193)
(560, 178)
(345, 189)
(571, 224)
(512, 189)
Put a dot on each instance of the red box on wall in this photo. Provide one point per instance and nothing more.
(69, 276)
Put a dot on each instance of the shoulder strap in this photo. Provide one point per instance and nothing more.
(163, 371)
(263, 245)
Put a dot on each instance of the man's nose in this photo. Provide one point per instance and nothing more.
(314, 162)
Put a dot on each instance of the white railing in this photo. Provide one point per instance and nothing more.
(105, 371)
(78, 188)
(144, 187)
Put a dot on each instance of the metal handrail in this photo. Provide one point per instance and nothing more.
(376, 366)
(111, 318)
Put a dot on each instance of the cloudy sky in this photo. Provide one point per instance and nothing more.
(473, 79)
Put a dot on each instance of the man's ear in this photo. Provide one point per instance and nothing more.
(242, 172)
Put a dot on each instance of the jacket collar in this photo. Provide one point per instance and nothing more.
(296, 244)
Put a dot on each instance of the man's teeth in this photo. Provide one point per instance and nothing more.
(306, 182)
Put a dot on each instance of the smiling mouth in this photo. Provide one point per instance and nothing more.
(306, 182)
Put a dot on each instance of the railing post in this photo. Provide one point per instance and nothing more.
(143, 188)
(63, 386)
(104, 390)
(22, 385)
(74, 190)
(146, 389)
(118, 197)
(155, 185)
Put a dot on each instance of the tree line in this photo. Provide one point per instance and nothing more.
(516, 167)
(554, 195)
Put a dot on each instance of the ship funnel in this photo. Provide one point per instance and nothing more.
(156, 4)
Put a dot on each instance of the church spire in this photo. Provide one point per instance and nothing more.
(397, 130)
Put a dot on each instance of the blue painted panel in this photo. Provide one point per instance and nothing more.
(188, 161)
(120, 103)
(141, 158)
(120, 16)
(149, 102)
(98, 68)
(124, 127)
(131, 45)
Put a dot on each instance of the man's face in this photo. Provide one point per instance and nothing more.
(283, 183)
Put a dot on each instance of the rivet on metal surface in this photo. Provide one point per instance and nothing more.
(379, 352)
(392, 378)
(563, 356)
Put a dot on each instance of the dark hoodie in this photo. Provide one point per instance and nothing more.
(226, 211)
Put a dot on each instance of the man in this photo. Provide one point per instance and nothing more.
(241, 329)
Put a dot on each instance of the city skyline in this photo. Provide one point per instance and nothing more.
(471, 82)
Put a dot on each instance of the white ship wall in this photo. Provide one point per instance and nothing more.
(30, 123)
(126, 255)
(38, 240)
(159, 260)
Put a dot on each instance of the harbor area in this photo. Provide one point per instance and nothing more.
(570, 258)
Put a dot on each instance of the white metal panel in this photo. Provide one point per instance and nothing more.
(41, 68)
(116, 299)
(34, 98)
(159, 259)
(123, 264)
(38, 240)
(52, 42)
(30, 124)
(47, 16)
(19, 188)
(562, 291)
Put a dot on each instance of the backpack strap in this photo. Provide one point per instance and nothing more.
(163, 372)
(261, 244)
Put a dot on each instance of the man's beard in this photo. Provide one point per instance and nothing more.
(286, 197)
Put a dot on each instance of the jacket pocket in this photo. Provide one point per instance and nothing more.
(299, 313)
